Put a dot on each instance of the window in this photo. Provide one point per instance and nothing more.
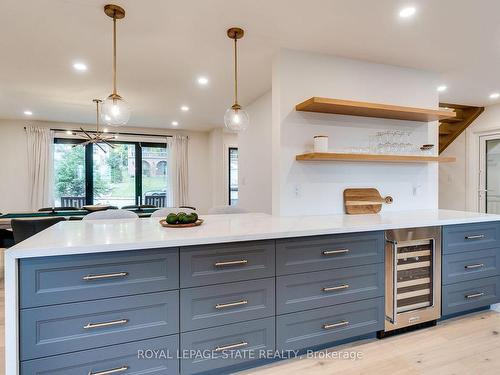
(114, 175)
(69, 175)
(129, 173)
(233, 176)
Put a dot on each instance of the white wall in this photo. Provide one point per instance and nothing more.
(219, 142)
(308, 188)
(452, 176)
(13, 163)
(254, 158)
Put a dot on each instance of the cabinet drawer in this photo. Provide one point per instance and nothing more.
(127, 357)
(470, 295)
(325, 288)
(297, 255)
(72, 278)
(250, 336)
(53, 330)
(470, 265)
(474, 236)
(321, 326)
(216, 305)
(224, 263)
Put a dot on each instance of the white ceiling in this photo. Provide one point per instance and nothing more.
(164, 45)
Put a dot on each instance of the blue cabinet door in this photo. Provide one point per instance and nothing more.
(217, 305)
(307, 329)
(152, 357)
(72, 278)
(224, 263)
(311, 290)
(59, 329)
(297, 255)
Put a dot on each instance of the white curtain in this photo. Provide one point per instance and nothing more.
(39, 142)
(177, 165)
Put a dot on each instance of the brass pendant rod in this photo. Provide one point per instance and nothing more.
(235, 71)
(114, 54)
(97, 116)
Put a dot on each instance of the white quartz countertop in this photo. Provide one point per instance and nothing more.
(78, 237)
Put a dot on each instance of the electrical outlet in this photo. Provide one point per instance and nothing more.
(296, 191)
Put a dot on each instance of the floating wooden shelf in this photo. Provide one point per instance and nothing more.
(332, 156)
(353, 108)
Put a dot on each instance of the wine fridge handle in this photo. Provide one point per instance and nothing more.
(394, 281)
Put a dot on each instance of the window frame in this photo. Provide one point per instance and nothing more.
(229, 149)
(89, 164)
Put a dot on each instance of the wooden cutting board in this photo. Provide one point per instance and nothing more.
(364, 201)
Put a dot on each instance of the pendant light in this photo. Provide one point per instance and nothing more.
(115, 110)
(98, 136)
(236, 119)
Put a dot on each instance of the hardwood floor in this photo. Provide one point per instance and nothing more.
(467, 345)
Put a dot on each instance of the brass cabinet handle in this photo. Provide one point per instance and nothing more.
(108, 372)
(220, 306)
(335, 325)
(105, 276)
(335, 252)
(332, 288)
(475, 295)
(474, 237)
(471, 266)
(105, 324)
(231, 346)
(231, 263)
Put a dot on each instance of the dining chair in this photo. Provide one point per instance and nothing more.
(163, 212)
(111, 215)
(220, 210)
(25, 228)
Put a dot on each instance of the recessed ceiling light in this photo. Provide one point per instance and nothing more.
(185, 108)
(105, 130)
(407, 12)
(442, 88)
(203, 81)
(28, 113)
(69, 132)
(81, 67)
(175, 123)
(495, 95)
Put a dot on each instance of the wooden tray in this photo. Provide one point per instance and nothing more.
(197, 223)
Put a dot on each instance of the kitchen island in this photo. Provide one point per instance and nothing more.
(91, 296)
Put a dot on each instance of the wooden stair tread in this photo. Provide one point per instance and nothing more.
(451, 128)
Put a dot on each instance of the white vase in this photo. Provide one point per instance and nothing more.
(320, 143)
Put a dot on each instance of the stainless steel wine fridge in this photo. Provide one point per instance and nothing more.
(412, 277)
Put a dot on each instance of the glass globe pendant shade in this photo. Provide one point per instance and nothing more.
(236, 119)
(115, 111)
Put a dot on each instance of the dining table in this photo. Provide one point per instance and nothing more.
(5, 219)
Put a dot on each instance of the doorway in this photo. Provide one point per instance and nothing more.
(489, 174)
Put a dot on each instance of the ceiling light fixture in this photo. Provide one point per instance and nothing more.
(495, 95)
(175, 123)
(115, 110)
(97, 136)
(407, 12)
(184, 108)
(203, 81)
(235, 118)
(28, 112)
(80, 67)
(442, 88)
